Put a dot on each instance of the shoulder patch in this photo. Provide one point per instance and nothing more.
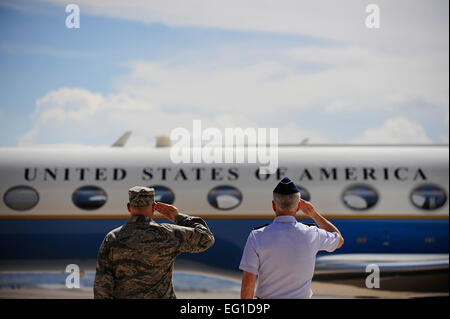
(260, 226)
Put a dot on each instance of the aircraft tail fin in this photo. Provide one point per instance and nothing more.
(122, 140)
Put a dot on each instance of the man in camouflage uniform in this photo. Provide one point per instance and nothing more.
(136, 260)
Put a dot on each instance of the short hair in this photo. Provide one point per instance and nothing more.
(286, 202)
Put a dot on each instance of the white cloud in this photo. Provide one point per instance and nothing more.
(158, 96)
(395, 130)
(361, 78)
(347, 79)
(74, 116)
(393, 70)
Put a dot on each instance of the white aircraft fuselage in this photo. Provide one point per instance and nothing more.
(59, 203)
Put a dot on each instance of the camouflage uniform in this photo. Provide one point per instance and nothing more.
(136, 260)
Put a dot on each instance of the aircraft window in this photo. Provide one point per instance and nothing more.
(224, 197)
(163, 194)
(21, 198)
(428, 197)
(304, 193)
(89, 197)
(360, 197)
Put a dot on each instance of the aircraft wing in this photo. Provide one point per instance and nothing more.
(393, 263)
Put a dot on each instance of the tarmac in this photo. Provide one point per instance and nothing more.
(391, 287)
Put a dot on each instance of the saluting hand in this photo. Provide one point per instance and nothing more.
(167, 210)
(307, 208)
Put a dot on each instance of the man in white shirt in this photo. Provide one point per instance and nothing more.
(283, 254)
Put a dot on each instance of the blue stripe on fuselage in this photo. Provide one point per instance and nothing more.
(80, 239)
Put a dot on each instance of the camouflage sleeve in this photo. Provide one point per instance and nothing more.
(194, 234)
(104, 280)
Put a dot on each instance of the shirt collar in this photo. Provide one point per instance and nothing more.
(139, 219)
(285, 219)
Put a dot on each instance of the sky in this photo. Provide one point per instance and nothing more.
(312, 69)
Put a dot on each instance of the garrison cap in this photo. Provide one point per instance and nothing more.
(141, 196)
(286, 187)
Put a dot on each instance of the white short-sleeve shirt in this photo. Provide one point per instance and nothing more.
(283, 255)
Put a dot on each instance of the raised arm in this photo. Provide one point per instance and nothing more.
(309, 210)
(193, 232)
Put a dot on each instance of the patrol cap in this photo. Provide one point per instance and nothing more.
(286, 187)
(141, 196)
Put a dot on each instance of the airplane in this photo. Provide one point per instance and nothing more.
(390, 202)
